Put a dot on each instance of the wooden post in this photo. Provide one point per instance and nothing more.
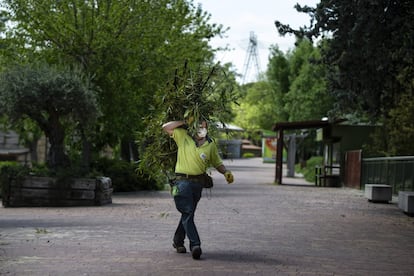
(279, 157)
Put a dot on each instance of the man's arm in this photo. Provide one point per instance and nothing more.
(227, 174)
(170, 126)
(221, 169)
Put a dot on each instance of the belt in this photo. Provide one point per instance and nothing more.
(189, 176)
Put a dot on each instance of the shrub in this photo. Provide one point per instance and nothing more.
(309, 171)
(124, 175)
(10, 170)
(248, 155)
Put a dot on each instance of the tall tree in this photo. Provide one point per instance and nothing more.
(400, 127)
(369, 45)
(295, 89)
(307, 98)
(4, 45)
(130, 47)
(278, 76)
(257, 108)
(370, 62)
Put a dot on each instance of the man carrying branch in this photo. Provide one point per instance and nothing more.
(195, 155)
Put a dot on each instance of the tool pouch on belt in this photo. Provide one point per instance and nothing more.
(207, 181)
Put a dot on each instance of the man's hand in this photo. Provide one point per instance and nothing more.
(229, 177)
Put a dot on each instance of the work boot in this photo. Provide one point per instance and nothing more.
(196, 252)
(180, 248)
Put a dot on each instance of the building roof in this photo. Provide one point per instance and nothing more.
(304, 124)
(230, 127)
(12, 152)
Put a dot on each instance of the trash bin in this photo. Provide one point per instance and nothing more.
(230, 148)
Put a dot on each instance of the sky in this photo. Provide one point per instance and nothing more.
(257, 17)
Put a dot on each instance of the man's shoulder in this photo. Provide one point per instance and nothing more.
(180, 129)
(179, 133)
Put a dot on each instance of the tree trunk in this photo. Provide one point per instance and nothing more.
(33, 150)
(57, 157)
(86, 152)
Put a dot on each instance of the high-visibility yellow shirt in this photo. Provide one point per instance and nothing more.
(191, 159)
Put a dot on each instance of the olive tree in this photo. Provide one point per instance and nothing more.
(54, 98)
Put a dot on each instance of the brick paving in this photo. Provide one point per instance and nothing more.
(251, 227)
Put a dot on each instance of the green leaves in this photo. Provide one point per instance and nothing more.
(369, 62)
(38, 89)
(295, 90)
(53, 97)
(200, 94)
(131, 47)
(193, 95)
(369, 45)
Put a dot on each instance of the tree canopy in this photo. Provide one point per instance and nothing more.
(130, 47)
(369, 46)
(53, 98)
(294, 90)
(369, 57)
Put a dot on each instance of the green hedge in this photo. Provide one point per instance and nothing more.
(309, 171)
(8, 170)
(124, 175)
(248, 155)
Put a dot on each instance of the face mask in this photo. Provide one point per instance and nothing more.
(202, 132)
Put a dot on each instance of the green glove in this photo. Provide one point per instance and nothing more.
(174, 190)
(229, 177)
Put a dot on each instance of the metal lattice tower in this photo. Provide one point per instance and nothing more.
(251, 57)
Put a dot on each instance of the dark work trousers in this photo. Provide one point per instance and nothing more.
(186, 200)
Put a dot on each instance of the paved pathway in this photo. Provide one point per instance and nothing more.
(251, 227)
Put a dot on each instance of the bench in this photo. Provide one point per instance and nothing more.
(378, 192)
(406, 202)
(327, 176)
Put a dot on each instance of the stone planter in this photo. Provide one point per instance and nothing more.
(34, 191)
(406, 202)
(378, 193)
